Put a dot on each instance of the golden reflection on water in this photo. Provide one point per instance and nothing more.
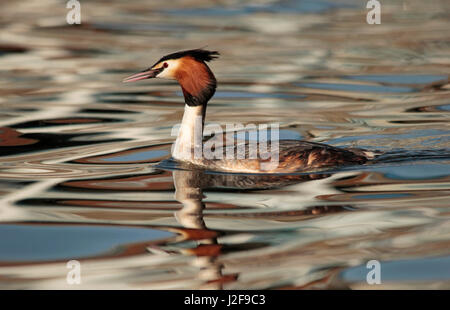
(84, 168)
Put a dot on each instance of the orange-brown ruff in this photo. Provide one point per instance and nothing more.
(194, 76)
(198, 84)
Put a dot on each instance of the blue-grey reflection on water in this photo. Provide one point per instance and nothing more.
(399, 79)
(381, 196)
(245, 95)
(68, 242)
(289, 7)
(415, 172)
(137, 156)
(358, 88)
(444, 107)
(445, 134)
(255, 135)
(414, 270)
(85, 168)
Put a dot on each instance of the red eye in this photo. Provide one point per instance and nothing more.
(165, 65)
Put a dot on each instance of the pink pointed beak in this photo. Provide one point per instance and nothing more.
(146, 74)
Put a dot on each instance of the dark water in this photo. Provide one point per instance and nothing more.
(84, 168)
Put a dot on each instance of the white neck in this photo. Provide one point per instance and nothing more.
(190, 134)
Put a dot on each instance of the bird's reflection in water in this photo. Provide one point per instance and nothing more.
(189, 191)
(189, 187)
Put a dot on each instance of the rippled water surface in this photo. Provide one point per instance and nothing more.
(84, 168)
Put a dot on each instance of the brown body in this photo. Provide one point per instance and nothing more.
(293, 156)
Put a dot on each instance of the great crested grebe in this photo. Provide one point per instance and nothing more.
(198, 84)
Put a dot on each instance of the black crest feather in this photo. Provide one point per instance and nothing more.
(198, 54)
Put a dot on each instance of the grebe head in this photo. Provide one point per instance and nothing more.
(189, 68)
